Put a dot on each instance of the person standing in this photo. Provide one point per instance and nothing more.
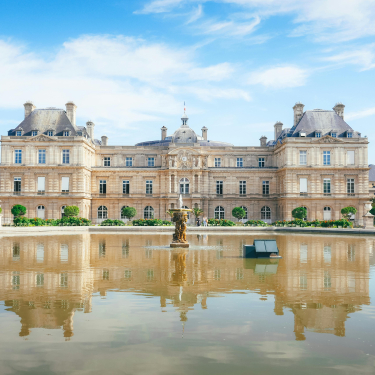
(205, 221)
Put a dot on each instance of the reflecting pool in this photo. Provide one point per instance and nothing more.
(128, 304)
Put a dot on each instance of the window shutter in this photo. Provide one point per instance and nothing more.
(41, 183)
(303, 185)
(64, 183)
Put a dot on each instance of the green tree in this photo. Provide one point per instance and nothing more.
(238, 212)
(1, 210)
(129, 212)
(299, 213)
(197, 212)
(18, 210)
(170, 213)
(347, 212)
(71, 211)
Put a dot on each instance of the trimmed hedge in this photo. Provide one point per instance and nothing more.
(112, 223)
(37, 222)
(324, 224)
(258, 223)
(221, 223)
(151, 222)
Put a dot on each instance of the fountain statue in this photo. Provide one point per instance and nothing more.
(180, 220)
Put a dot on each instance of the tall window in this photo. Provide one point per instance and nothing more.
(239, 162)
(40, 212)
(102, 187)
(303, 186)
(66, 133)
(219, 212)
(18, 133)
(148, 186)
(151, 162)
(327, 213)
(242, 187)
(219, 187)
(65, 185)
(102, 212)
(62, 211)
(107, 161)
(184, 186)
(302, 157)
(17, 185)
(327, 186)
(326, 157)
(266, 188)
(265, 213)
(122, 215)
(148, 212)
(18, 156)
(129, 162)
(350, 186)
(66, 156)
(125, 187)
(350, 157)
(41, 185)
(42, 156)
(261, 162)
(245, 209)
(34, 133)
(217, 162)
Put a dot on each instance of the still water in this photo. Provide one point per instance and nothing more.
(126, 304)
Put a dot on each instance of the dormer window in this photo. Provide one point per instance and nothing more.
(333, 134)
(66, 133)
(19, 133)
(318, 134)
(34, 133)
(349, 134)
(50, 133)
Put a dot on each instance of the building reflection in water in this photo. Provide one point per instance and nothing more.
(45, 280)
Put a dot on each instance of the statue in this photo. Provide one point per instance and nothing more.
(180, 217)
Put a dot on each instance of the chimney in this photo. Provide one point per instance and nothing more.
(263, 141)
(29, 107)
(71, 112)
(298, 112)
(204, 133)
(104, 140)
(339, 109)
(90, 129)
(278, 129)
(163, 133)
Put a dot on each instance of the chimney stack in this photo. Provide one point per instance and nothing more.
(29, 107)
(263, 141)
(71, 112)
(163, 133)
(90, 129)
(204, 133)
(104, 140)
(278, 129)
(339, 109)
(298, 112)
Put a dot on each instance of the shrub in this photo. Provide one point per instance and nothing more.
(221, 223)
(256, 222)
(147, 222)
(238, 212)
(21, 222)
(73, 222)
(110, 222)
(129, 212)
(197, 212)
(299, 213)
(18, 210)
(167, 222)
(347, 212)
(71, 211)
(1, 210)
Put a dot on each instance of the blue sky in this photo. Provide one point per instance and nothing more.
(240, 65)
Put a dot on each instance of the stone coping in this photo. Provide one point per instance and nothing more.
(47, 230)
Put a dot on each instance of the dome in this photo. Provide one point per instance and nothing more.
(184, 135)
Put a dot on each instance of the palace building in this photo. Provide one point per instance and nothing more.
(49, 162)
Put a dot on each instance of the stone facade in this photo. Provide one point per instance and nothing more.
(48, 162)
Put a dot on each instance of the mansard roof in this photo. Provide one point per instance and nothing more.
(43, 120)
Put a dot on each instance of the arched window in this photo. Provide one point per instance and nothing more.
(219, 212)
(148, 212)
(102, 212)
(265, 213)
(62, 211)
(184, 186)
(40, 212)
(245, 209)
(327, 213)
(121, 214)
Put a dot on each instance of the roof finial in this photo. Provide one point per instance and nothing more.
(184, 108)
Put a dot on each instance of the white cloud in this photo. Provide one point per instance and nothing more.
(160, 6)
(196, 14)
(113, 80)
(279, 77)
(230, 28)
(363, 56)
(360, 114)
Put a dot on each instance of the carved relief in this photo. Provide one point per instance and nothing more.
(184, 159)
(42, 138)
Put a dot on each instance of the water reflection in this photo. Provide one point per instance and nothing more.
(46, 280)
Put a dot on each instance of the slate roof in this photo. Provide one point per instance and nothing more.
(371, 174)
(46, 119)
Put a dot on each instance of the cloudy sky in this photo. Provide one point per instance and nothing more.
(240, 65)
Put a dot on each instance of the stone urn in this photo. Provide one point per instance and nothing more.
(368, 219)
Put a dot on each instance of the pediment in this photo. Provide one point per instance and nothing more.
(328, 139)
(41, 138)
(179, 150)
